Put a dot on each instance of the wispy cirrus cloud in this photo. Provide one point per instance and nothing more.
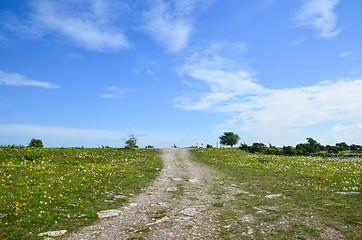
(22, 26)
(18, 80)
(171, 23)
(115, 92)
(171, 28)
(296, 41)
(90, 24)
(100, 25)
(220, 79)
(344, 54)
(320, 15)
(225, 87)
(94, 24)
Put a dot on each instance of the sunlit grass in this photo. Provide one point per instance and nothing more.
(53, 189)
(326, 174)
(309, 187)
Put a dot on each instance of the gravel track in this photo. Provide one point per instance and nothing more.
(180, 204)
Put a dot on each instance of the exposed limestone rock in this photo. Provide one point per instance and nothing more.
(109, 213)
(53, 233)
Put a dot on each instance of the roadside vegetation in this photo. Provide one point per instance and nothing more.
(309, 197)
(48, 189)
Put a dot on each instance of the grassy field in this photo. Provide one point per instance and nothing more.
(304, 202)
(54, 189)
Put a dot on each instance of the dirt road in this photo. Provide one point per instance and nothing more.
(183, 203)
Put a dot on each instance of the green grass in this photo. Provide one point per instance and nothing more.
(158, 214)
(218, 204)
(308, 185)
(54, 189)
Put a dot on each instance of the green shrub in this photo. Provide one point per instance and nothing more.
(37, 143)
(289, 150)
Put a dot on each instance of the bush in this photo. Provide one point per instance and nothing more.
(36, 143)
(331, 149)
(244, 147)
(258, 147)
(289, 150)
(209, 146)
(12, 146)
(355, 147)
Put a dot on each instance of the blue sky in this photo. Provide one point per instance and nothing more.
(93, 72)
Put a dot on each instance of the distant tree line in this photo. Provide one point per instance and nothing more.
(312, 147)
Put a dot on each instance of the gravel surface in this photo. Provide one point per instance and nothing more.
(181, 204)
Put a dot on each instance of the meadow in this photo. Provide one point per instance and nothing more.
(315, 193)
(48, 189)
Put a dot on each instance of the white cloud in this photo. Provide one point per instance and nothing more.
(223, 78)
(100, 25)
(88, 23)
(254, 108)
(18, 80)
(343, 54)
(320, 15)
(296, 41)
(170, 27)
(136, 71)
(23, 27)
(298, 107)
(340, 128)
(115, 92)
(170, 23)
(73, 56)
(92, 24)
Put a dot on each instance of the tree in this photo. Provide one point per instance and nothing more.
(342, 146)
(229, 138)
(314, 145)
(355, 147)
(37, 143)
(307, 148)
(131, 142)
(303, 149)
